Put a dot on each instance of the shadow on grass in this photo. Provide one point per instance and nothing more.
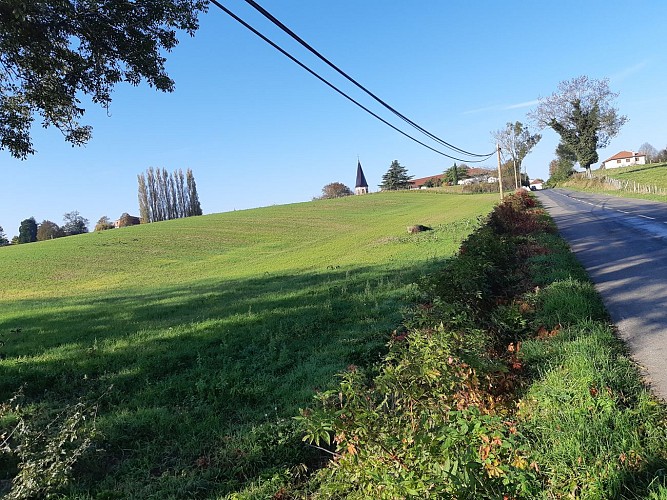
(206, 377)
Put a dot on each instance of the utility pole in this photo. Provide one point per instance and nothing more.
(500, 174)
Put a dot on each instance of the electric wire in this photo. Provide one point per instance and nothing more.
(336, 89)
(305, 44)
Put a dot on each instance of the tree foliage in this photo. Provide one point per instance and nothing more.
(48, 230)
(661, 157)
(104, 224)
(582, 113)
(515, 142)
(126, 220)
(74, 224)
(562, 166)
(3, 238)
(455, 173)
(396, 177)
(54, 51)
(164, 196)
(335, 190)
(27, 231)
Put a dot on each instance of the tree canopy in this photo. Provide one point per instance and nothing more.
(515, 141)
(104, 224)
(164, 196)
(52, 52)
(563, 166)
(27, 231)
(396, 177)
(48, 230)
(3, 238)
(582, 113)
(335, 190)
(74, 224)
(455, 173)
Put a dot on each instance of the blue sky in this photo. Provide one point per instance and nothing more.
(258, 130)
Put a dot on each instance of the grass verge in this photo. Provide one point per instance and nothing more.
(507, 382)
(653, 175)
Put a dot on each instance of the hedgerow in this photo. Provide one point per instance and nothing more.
(485, 380)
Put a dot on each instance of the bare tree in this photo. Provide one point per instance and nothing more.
(515, 142)
(650, 152)
(144, 207)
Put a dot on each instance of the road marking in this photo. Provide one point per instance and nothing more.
(645, 216)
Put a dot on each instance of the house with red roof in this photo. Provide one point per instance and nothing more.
(426, 182)
(624, 159)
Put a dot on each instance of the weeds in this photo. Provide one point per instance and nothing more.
(506, 382)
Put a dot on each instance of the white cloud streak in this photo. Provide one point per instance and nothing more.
(629, 71)
(502, 107)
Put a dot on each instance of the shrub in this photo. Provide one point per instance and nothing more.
(425, 426)
(42, 449)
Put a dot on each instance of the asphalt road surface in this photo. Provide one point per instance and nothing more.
(623, 244)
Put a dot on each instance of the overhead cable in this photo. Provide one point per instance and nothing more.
(305, 44)
(332, 86)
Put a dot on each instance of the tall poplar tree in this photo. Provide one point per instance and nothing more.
(194, 208)
(164, 196)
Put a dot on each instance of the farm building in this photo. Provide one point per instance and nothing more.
(624, 159)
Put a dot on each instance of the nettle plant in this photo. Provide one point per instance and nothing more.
(41, 449)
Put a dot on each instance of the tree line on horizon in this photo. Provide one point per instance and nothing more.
(30, 231)
(164, 196)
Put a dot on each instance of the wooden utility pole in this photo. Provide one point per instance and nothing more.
(500, 174)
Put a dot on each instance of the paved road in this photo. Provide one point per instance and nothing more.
(623, 245)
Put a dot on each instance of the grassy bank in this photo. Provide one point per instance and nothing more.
(192, 343)
(654, 174)
(506, 382)
(644, 177)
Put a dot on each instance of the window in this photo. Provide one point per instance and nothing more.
(627, 160)
(618, 161)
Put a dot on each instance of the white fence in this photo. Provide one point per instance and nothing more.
(634, 187)
(629, 186)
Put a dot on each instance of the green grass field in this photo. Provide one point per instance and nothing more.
(654, 174)
(200, 338)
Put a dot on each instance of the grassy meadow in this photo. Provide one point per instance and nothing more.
(197, 340)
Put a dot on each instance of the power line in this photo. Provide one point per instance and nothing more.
(332, 86)
(305, 44)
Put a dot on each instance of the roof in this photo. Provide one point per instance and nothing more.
(624, 154)
(423, 180)
(361, 178)
(477, 171)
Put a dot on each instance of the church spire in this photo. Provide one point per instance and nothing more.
(361, 186)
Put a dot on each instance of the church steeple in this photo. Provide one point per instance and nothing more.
(361, 186)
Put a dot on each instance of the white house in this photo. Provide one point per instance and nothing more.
(624, 159)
